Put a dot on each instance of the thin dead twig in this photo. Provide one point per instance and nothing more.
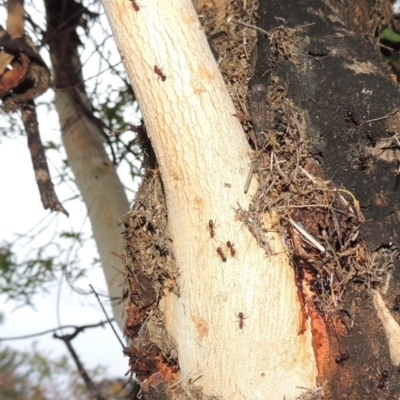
(309, 237)
(108, 319)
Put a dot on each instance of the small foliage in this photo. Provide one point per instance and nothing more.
(20, 281)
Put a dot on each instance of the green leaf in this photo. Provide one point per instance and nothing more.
(389, 35)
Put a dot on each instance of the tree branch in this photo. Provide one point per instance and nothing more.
(81, 328)
(89, 383)
(42, 174)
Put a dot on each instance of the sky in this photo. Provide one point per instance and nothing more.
(21, 212)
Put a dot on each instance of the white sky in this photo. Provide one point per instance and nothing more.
(21, 210)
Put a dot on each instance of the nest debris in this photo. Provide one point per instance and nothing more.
(149, 269)
(319, 222)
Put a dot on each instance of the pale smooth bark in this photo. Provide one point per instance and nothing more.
(95, 175)
(99, 185)
(204, 160)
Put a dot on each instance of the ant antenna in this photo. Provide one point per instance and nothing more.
(105, 313)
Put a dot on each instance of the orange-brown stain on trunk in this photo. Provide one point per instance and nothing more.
(201, 326)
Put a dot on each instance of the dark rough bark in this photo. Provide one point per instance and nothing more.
(339, 80)
(327, 90)
(25, 76)
(39, 161)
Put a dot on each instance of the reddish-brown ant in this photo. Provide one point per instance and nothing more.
(221, 254)
(384, 378)
(242, 116)
(241, 318)
(135, 5)
(231, 248)
(211, 228)
(158, 71)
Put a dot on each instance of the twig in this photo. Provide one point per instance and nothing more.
(92, 387)
(308, 175)
(356, 203)
(265, 192)
(384, 117)
(316, 205)
(229, 19)
(81, 328)
(280, 172)
(40, 166)
(308, 236)
(249, 177)
(190, 381)
(108, 319)
(297, 165)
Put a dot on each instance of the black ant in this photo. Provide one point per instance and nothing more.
(231, 248)
(371, 138)
(341, 358)
(384, 378)
(320, 285)
(396, 306)
(241, 318)
(299, 277)
(221, 254)
(363, 159)
(352, 117)
(158, 71)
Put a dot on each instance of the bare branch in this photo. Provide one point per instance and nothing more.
(108, 319)
(92, 387)
(80, 328)
(42, 173)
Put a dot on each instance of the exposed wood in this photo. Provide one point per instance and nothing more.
(15, 18)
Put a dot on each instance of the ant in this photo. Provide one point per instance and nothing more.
(221, 254)
(135, 5)
(371, 138)
(231, 248)
(299, 277)
(384, 378)
(396, 306)
(211, 228)
(241, 318)
(320, 285)
(363, 159)
(341, 358)
(352, 117)
(158, 71)
(242, 116)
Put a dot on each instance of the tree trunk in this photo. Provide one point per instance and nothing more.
(96, 178)
(339, 81)
(233, 317)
